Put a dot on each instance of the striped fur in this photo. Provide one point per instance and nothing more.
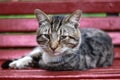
(63, 46)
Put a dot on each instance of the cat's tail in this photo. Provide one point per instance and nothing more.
(5, 64)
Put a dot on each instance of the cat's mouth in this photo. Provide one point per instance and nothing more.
(52, 53)
(57, 53)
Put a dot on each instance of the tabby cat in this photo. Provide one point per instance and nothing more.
(63, 46)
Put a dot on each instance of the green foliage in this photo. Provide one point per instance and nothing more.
(94, 15)
(32, 15)
(18, 16)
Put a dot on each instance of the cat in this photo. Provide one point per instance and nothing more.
(63, 46)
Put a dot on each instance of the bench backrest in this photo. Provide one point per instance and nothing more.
(17, 34)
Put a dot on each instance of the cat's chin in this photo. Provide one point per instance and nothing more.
(56, 54)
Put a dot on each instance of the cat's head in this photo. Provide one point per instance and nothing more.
(58, 34)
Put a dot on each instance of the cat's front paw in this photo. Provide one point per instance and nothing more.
(21, 63)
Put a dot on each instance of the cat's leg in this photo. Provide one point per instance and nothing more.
(109, 59)
(27, 60)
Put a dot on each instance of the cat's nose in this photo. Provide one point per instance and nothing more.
(53, 48)
(54, 42)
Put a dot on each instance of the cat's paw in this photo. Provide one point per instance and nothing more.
(21, 63)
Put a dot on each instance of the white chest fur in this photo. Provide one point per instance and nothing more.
(49, 58)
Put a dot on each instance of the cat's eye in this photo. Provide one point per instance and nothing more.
(72, 37)
(47, 36)
(63, 37)
(39, 36)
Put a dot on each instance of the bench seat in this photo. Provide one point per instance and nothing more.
(17, 36)
(112, 72)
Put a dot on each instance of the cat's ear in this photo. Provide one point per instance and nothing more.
(74, 17)
(40, 15)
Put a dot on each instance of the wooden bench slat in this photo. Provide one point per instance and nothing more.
(83, 76)
(34, 74)
(16, 53)
(117, 52)
(108, 6)
(115, 38)
(9, 25)
(105, 23)
(14, 25)
(17, 40)
(29, 40)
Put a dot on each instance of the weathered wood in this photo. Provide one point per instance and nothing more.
(117, 52)
(99, 73)
(10, 25)
(13, 53)
(115, 37)
(26, 25)
(105, 23)
(14, 40)
(87, 6)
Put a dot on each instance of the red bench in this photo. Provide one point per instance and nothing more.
(17, 36)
